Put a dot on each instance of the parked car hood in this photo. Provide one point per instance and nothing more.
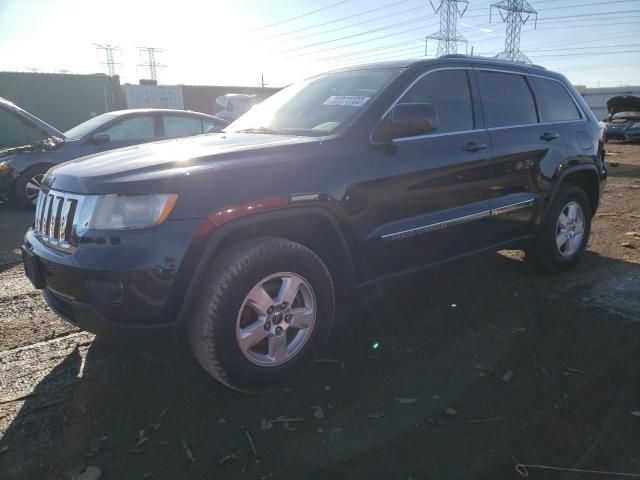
(162, 166)
(623, 103)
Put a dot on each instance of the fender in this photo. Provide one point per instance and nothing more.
(559, 179)
(216, 236)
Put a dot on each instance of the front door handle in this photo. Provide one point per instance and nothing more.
(475, 147)
(548, 136)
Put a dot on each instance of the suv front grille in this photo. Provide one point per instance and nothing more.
(55, 219)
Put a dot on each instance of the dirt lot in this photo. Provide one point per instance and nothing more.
(455, 374)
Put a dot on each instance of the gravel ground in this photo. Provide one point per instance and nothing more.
(455, 374)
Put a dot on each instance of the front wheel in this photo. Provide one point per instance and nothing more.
(266, 307)
(564, 236)
(28, 186)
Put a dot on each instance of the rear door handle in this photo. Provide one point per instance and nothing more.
(548, 136)
(475, 147)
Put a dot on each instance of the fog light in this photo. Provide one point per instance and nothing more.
(108, 291)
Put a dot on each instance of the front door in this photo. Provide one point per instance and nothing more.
(429, 200)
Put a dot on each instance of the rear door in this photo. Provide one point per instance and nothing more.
(430, 199)
(522, 150)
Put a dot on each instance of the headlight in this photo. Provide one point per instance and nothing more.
(123, 212)
(4, 165)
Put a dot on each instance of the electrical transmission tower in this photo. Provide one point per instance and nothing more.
(448, 37)
(110, 63)
(515, 13)
(152, 63)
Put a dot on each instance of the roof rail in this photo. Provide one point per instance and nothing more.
(493, 59)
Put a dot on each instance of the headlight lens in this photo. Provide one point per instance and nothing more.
(124, 212)
(4, 165)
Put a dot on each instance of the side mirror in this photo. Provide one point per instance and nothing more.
(406, 120)
(100, 138)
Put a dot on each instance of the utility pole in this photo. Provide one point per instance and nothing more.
(515, 13)
(152, 63)
(262, 82)
(110, 63)
(448, 37)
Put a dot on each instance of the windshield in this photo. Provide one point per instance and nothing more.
(316, 106)
(86, 128)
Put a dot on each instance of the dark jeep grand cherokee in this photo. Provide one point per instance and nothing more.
(244, 238)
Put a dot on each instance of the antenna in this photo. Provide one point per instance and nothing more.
(448, 37)
(514, 13)
(110, 63)
(152, 64)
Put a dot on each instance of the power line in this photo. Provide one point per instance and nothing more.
(348, 17)
(298, 16)
(351, 25)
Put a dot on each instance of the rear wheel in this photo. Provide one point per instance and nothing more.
(266, 307)
(28, 186)
(564, 236)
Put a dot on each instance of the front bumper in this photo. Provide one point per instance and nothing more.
(129, 286)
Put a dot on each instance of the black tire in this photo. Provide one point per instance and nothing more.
(545, 251)
(231, 276)
(21, 196)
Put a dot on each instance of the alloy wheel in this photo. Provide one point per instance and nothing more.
(570, 229)
(276, 319)
(32, 188)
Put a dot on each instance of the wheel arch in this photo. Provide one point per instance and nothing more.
(314, 227)
(585, 177)
(20, 175)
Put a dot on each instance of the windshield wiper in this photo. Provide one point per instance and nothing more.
(270, 131)
(48, 143)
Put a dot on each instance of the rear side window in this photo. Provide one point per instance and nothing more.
(181, 126)
(554, 102)
(507, 99)
(448, 91)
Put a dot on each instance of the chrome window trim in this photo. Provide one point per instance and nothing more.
(493, 212)
(583, 117)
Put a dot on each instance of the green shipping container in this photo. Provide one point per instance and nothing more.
(62, 100)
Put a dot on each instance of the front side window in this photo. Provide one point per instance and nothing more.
(181, 126)
(15, 131)
(136, 128)
(554, 102)
(316, 106)
(507, 99)
(448, 91)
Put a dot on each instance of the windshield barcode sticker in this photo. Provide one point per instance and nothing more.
(347, 100)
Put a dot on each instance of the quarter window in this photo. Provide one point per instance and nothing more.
(136, 128)
(554, 102)
(507, 99)
(448, 91)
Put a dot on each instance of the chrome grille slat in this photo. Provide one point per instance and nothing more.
(53, 222)
(63, 222)
(56, 218)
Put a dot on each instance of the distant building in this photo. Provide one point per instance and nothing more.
(597, 98)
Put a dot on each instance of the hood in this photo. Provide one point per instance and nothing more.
(154, 166)
(32, 119)
(623, 103)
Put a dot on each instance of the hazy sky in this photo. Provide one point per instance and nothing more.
(228, 42)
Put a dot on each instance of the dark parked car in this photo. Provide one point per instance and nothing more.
(22, 169)
(244, 239)
(624, 119)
